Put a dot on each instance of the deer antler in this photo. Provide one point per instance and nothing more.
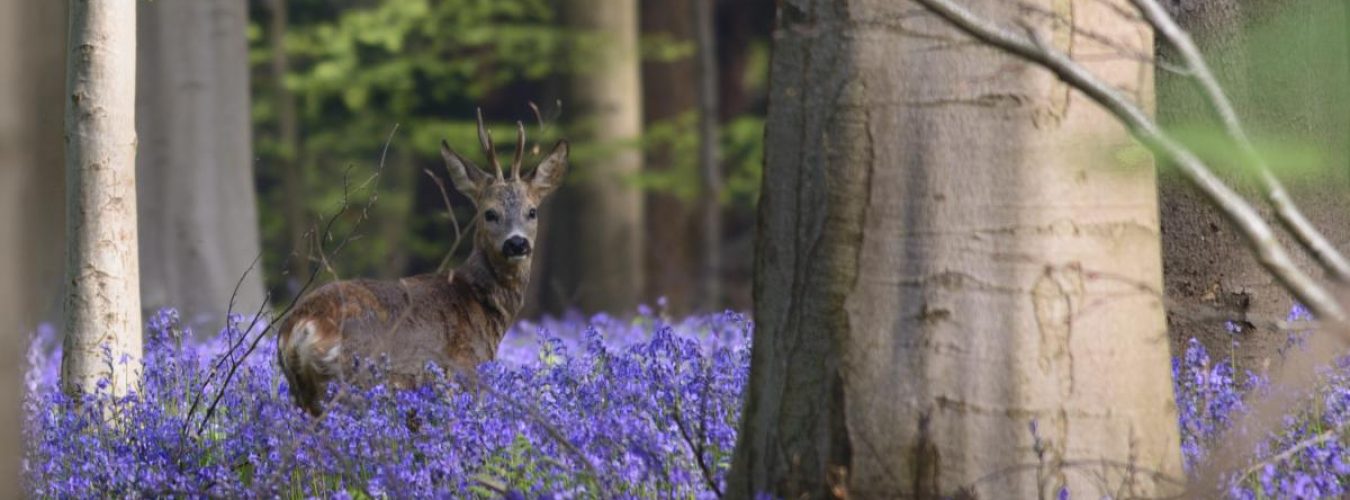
(485, 139)
(520, 150)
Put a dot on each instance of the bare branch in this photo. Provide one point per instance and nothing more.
(1260, 236)
(229, 354)
(1288, 212)
(1102, 38)
(449, 212)
(1293, 450)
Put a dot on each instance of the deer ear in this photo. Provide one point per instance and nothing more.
(545, 178)
(465, 176)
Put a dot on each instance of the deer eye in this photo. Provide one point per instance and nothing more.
(533, 213)
(491, 216)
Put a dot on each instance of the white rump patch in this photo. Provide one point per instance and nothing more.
(333, 353)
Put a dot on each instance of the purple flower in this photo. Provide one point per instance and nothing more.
(635, 408)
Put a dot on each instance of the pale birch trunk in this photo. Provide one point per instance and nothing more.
(598, 260)
(199, 216)
(949, 251)
(103, 307)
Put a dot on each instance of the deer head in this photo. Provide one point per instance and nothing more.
(507, 203)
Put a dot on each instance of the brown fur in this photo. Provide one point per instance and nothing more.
(455, 319)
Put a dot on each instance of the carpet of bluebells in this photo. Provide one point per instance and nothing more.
(1307, 458)
(642, 407)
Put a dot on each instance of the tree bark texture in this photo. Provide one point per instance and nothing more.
(596, 259)
(1285, 79)
(669, 92)
(199, 215)
(958, 281)
(103, 307)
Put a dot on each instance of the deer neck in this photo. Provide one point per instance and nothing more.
(498, 286)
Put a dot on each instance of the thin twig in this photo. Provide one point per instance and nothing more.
(1293, 450)
(236, 362)
(1102, 38)
(697, 450)
(454, 247)
(450, 212)
(1287, 211)
(1260, 236)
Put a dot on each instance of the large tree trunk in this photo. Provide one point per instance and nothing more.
(103, 306)
(949, 256)
(36, 146)
(596, 255)
(14, 174)
(288, 134)
(25, 76)
(199, 215)
(32, 205)
(669, 93)
(1285, 66)
(709, 159)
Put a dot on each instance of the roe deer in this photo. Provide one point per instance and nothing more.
(456, 318)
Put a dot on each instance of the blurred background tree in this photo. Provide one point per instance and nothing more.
(331, 80)
(198, 213)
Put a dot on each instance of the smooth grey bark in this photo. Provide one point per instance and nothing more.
(596, 256)
(950, 254)
(102, 305)
(198, 215)
(32, 205)
(1285, 79)
(31, 269)
(13, 176)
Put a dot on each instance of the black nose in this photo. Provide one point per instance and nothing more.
(516, 246)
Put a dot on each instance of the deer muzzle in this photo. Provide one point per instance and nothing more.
(516, 247)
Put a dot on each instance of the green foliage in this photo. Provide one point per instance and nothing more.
(742, 148)
(358, 68)
(1287, 154)
(1287, 73)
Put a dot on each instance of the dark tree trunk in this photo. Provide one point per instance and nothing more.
(288, 134)
(669, 94)
(709, 159)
